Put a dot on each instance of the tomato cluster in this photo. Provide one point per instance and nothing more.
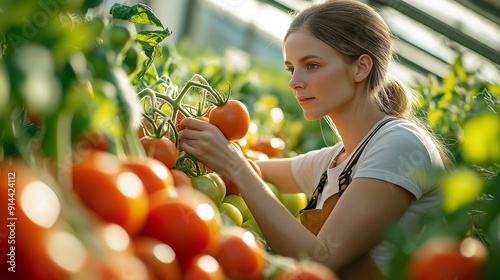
(95, 185)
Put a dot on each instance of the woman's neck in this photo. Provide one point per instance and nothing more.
(355, 121)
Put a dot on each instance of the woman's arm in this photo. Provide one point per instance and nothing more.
(357, 223)
(279, 173)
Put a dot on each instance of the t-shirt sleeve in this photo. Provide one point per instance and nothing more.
(400, 156)
(307, 168)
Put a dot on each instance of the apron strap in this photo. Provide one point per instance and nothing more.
(345, 176)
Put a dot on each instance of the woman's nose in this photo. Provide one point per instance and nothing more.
(296, 82)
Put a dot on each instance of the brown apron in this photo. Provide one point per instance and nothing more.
(363, 268)
(313, 219)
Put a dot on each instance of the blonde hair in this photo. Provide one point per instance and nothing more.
(354, 28)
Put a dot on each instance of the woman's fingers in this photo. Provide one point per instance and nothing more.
(194, 123)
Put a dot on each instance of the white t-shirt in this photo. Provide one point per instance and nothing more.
(397, 153)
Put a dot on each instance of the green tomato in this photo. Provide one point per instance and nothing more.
(294, 202)
(232, 214)
(210, 186)
(120, 35)
(132, 59)
(238, 201)
(251, 225)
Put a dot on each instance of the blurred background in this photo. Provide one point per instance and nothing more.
(430, 33)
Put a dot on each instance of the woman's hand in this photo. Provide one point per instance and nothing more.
(207, 144)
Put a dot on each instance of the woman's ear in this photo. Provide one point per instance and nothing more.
(364, 66)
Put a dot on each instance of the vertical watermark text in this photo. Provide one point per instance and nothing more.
(11, 220)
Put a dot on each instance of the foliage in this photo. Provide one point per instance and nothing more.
(463, 111)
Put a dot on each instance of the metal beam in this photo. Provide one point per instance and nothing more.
(484, 9)
(443, 28)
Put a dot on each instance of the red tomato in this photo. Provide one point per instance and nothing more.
(309, 270)
(232, 119)
(158, 257)
(153, 173)
(241, 255)
(181, 179)
(162, 149)
(36, 209)
(210, 110)
(447, 258)
(204, 267)
(186, 220)
(230, 186)
(112, 191)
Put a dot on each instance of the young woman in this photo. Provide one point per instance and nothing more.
(338, 54)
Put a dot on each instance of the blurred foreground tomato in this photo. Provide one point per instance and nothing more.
(110, 190)
(448, 258)
(153, 173)
(162, 149)
(204, 267)
(158, 257)
(111, 255)
(241, 255)
(31, 209)
(186, 220)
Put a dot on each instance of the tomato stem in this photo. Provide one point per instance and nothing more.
(193, 164)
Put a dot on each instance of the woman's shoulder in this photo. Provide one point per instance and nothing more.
(319, 157)
(405, 134)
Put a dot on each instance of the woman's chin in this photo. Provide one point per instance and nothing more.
(311, 117)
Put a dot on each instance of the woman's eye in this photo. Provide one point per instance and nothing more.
(311, 66)
(289, 70)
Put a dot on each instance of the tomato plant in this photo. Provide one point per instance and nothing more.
(232, 119)
(113, 192)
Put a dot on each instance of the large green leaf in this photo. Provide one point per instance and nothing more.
(138, 13)
(149, 39)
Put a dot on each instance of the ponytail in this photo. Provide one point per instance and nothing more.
(396, 99)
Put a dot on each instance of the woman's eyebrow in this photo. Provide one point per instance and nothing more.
(303, 59)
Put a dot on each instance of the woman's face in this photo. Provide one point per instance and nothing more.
(322, 81)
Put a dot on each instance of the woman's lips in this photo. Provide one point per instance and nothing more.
(305, 100)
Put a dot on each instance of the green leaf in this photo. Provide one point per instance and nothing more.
(138, 13)
(149, 39)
